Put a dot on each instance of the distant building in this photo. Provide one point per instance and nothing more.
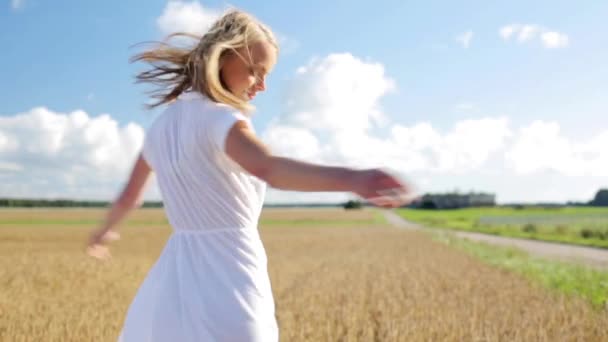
(454, 200)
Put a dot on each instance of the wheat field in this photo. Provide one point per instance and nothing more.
(332, 281)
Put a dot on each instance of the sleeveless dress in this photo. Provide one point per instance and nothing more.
(210, 282)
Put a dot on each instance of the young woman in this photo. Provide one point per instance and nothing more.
(210, 282)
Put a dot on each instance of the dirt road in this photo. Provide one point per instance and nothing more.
(590, 256)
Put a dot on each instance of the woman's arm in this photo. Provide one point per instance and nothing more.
(129, 199)
(288, 174)
(131, 196)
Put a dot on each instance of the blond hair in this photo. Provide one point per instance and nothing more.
(177, 69)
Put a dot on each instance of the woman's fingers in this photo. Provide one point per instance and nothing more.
(99, 251)
(388, 201)
(111, 236)
(96, 246)
(393, 197)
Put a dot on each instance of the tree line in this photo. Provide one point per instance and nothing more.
(600, 200)
(61, 203)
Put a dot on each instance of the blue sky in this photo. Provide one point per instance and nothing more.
(448, 63)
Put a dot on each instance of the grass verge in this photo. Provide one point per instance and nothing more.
(569, 278)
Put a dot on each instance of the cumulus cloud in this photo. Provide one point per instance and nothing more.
(465, 38)
(506, 32)
(294, 141)
(552, 39)
(338, 92)
(334, 102)
(541, 147)
(530, 32)
(189, 17)
(330, 116)
(50, 154)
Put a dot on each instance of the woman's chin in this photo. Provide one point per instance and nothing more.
(245, 96)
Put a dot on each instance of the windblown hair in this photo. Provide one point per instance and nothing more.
(176, 69)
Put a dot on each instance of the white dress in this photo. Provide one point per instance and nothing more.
(210, 282)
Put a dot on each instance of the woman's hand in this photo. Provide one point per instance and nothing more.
(97, 243)
(382, 189)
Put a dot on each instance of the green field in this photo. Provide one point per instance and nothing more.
(576, 225)
(569, 278)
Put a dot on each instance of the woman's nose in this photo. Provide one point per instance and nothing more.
(260, 85)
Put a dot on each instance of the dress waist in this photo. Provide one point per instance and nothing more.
(212, 230)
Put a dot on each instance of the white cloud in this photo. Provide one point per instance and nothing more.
(47, 154)
(553, 39)
(465, 38)
(336, 100)
(6, 166)
(336, 93)
(6, 143)
(293, 141)
(530, 32)
(540, 147)
(17, 4)
(507, 31)
(189, 17)
(329, 119)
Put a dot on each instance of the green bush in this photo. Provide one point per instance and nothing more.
(352, 205)
(586, 233)
(529, 228)
(601, 235)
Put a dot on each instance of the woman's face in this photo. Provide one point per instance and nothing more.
(245, 75)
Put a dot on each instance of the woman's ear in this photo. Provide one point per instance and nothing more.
(223, 58)
(221, 76)
(221, 62)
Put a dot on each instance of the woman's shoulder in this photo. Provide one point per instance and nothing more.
(206, 109)
(204, 113)
(196, 98)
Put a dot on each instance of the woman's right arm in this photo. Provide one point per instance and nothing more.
(288, 174)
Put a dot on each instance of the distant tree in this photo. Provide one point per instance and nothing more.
(62, 203)
(601, 198)
(351, 204)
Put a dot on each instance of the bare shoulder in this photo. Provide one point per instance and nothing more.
(246, 149)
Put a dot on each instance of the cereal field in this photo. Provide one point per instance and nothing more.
(336, 276)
